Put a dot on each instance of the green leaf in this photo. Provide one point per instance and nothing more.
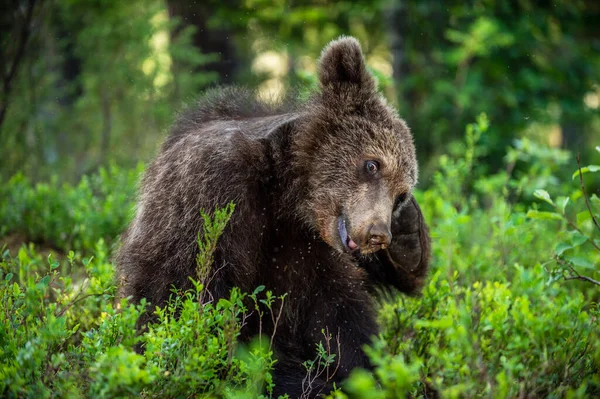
(562, 247)
(44, 281)
(258, 289)
(71, 257)
(564, 204)
(16, 289)
(442, 323)
(587, 169)
(577, 238)
(543, 215)
(53, 264)
(583, 217)
(543, 195)
(580, 261)
(8, 277)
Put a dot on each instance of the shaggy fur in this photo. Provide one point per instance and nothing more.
(303, 197)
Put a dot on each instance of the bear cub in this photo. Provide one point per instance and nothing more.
(324, 212)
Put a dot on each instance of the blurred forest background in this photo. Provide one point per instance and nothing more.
(90, 82)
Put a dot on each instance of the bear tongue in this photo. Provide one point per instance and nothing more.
(346, 240)
(351, 244)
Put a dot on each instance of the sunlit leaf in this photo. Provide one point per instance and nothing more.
(562, 247)
(583, 217)
(53, 264)
(543, 195)
(577, 239)
(587, 169)
(563, 206)
(579, 261)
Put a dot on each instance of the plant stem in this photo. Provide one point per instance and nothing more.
(587, 201)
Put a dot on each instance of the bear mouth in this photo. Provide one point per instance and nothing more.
(348, 243)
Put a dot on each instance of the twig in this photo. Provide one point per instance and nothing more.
(309, 379)
(583, 278)
(206, 280)
(339, 356)
(62, 311)
(574, 274)
(574, 226)
(276, 320)
(587, 201)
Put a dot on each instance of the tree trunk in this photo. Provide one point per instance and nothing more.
(17, 25)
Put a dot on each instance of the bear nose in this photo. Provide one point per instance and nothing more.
(380, 234)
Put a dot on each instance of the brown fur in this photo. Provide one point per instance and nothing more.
(294, 171)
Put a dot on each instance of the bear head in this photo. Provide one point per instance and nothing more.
(357, 155)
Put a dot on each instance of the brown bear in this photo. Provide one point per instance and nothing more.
(324, 211)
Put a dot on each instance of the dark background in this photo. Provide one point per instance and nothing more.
(90, 82)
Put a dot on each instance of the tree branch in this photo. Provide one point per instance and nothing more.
(574, 274)
(583, 278)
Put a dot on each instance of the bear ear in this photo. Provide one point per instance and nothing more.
(341, 62)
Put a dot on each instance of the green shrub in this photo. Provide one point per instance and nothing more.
(41, 322)
(493, 338)
(72, 339)
(497, 318)
(576, 255)
(69, 217)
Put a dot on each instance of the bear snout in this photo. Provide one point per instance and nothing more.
(379, 235)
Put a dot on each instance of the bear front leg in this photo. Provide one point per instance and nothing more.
(292, 378)
(404, 264)
(343, 324)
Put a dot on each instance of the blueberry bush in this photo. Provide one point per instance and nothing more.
(510, 309)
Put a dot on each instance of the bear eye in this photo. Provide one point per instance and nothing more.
(400, 200)
(372, 167)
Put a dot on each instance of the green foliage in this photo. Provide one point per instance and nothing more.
(491, 338)
(499, 317)
(495, 319)
(519, 62)
(65, 338)
(532, 166)
(207, 239)
(577, 253)
(64, 216)
(42, 319)
(511, 306)
(100, 82)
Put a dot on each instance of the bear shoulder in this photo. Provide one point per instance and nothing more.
(229, 104)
